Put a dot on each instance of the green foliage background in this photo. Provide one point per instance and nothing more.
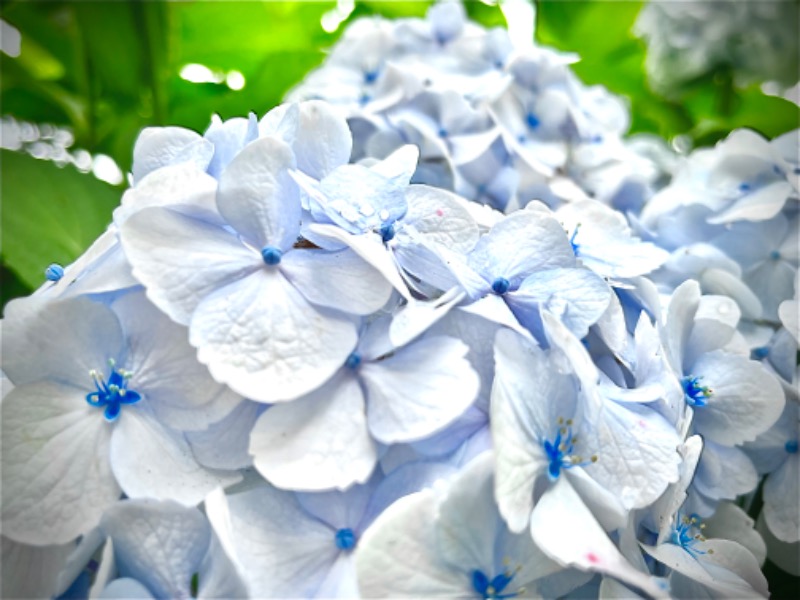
(107, 69)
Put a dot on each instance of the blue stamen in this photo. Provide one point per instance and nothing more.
(791, 446)
(54, 272)
(531, 120)
(493, 589)
(112, 394)
(388, 232)
(560, 452)
(684, 535)
(271, 255)
(353, 361)
(575, 246)
(695, 394)
(345, 539)
(500, 286)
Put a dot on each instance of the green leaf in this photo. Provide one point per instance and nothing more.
(50, 214)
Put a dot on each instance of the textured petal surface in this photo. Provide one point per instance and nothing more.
(181, 260)
(56, 474)
(262, 337)
(317, 442)
(419, 390)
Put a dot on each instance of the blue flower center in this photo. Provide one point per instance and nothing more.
(775, 255)
(353, 361)
(345, 539)
(54, 272)
(532, 120)
(442, 132)
(561, 451)
(572, 242)
(112, 394)
(685, 535)
(494, 588)
(271, 255)
(791, 446)
(744, 187)
(387, 232)
(759, 353)
(694, 393)
(500, 286)
(370, 76)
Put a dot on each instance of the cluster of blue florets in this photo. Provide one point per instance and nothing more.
(434, 327)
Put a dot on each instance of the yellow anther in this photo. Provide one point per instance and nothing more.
(560, 421)
(711, 551)
(702, 525)
(594, 458)
(490, 590)
(506, 561)
(563, 431)
(569, 421)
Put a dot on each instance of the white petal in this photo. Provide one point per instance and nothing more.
(160, 544)
(280, 550)
(150, 460)
(780, 500)
(180, 260)
(317, 442)
(165, 369)
(60, 340)
(438, 216)
(158, 147)
(745, 400)
(56, 474)
(419, 390)
(369, 247)
(262, 337)
(737, 559)
(563, 527)
(637, 454)
(519, 416)
(257, 196)
(718, 281)
(397, 556)
(724, 472)
(340, 280)
(680, 318)
(323, 140)
(224, 444)
(32, 571)
(732, 523)
(759, 205)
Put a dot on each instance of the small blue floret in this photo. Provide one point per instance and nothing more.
(744, 187)
(271, 255)
(345, 539)
(695, 394)
(759, 353)
(387, 232)
(54, 272)
(112, 394)
(500, 286)
(370, 76)
(532, 120)
(353, 361)
(492, 589)
(791, 446)
(775, 255)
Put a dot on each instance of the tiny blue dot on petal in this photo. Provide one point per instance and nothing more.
(791, 446)
(775, 255)
(271, 255)
(500, 286)
(353, 361)
(54, 272)
(345, 539)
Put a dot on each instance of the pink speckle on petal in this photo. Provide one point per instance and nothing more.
(440, 212)
(592, 558)
(642, 424)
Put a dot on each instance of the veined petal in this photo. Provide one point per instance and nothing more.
(262, 337)
(165, 369)
(317, 442)
(56, 474)
(150, 460)
(61, 340)
(257, 196)
(158, 147)
(32, 571)
(419, 390)
(397, 556)
(181, 260)
(160, 544)
(745, 399)
(340, 280)
(437, 215)
(586, 546)
(224, 444)
(780, 495)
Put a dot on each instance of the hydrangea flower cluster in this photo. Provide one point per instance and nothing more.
(309, 358)
(757, 41)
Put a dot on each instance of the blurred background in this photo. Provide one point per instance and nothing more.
(81, 79)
